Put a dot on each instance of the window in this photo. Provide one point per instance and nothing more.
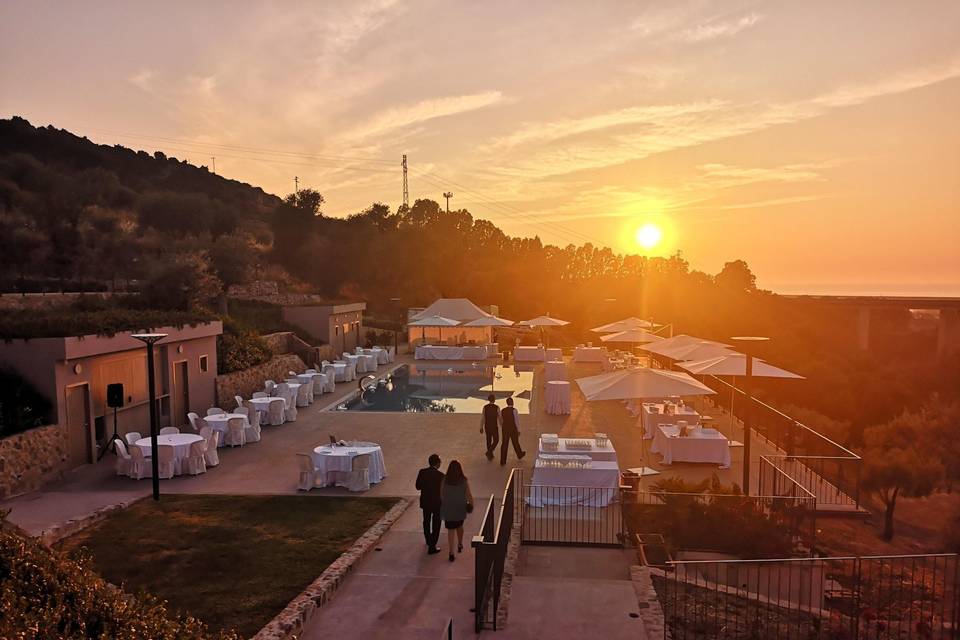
(204, 364)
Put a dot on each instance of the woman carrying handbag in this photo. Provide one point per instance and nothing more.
(456, 503)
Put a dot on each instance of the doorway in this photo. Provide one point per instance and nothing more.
(180, 394)
(78, 424)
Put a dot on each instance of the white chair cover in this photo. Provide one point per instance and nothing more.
(261, 394)
(139, 466)
(358, 478)
(193, 417)
(132, 437)
(238, 400)
(169, 431)
(268, 386)
(210, 455)
(124, 461)
(275, 411)
(235, 433)
(308, 472)
(304, 392)
(166, 461)
(195, 461)
(215, 411)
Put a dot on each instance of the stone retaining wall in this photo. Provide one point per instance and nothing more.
(30, 459)
(290, 622)
(243, 383)
(651, 612)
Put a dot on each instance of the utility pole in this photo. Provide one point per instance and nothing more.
(406, 190)
(448, 195)
(296, 185)
(214, 160)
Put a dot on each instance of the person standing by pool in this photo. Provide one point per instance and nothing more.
(510, 432)
(456, 503)
(489, 424)
(429, 481)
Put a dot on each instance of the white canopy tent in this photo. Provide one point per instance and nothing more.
(459, 309)
(624, 325)
(641, 382)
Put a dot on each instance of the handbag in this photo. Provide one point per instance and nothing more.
(469, 507)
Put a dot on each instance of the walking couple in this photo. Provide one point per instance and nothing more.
(444, 497)
(496, 421)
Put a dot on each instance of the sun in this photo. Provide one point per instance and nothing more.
(648, 236)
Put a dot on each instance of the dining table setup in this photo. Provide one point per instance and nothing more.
(180, 442)
(680, 443)
(668, 412)
(574, 471)
(332, 460)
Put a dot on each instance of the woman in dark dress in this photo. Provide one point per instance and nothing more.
(456, 502)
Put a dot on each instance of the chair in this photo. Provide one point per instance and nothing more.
(310, 371)
(290, 405)
(205, 432)
(269, 385)
(331, 373)
(276, 411)
(304, 391)
(251, 432)
(123, 458)
(235, 433)
(195, 461)
(199, 423)
(132, 437)
(215, 411)
(280, 389)
(308, 472)
(238, 400)
(166, 461)
(252, 413)
(139, 466)
(210, 456)
(193, 417)
(169, 431)
(358, 478)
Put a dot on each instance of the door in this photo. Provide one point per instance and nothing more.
(78, 424)
(180, 394)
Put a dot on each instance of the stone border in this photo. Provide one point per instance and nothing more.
(69, 527)
(509, 571)
(290, 622)
(648, 602)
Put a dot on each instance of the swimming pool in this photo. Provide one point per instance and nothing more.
(445, 388)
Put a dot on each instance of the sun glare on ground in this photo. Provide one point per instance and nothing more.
(648, 236)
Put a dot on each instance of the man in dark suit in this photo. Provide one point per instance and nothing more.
(510, 432)
(428, 484)
(489, 424)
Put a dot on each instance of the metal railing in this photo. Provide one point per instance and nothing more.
(447, 630)
(490, 551)
(882, 597)
(580, 516)
(713, 515)
(826, 468)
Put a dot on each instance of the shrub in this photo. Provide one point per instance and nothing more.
(45, 594)
(238, 351)
(22, 407)
(75, 321)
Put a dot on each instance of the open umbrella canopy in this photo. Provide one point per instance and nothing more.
(623, 325)
(697, 351)
(641, 382)
(489, 321)
(735, 364)
(543, 321)
(434, 321)
(664, 346)
(631, 335)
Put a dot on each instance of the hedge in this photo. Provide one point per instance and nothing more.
(43, 594)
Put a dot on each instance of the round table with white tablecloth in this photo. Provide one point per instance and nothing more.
(359, 362)
(557, 397)
(218, 422)
(555, 370)
(339, 370)
(370, 361)
(179, 441)
(331, 460)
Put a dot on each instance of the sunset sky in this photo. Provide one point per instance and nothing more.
(818, 141)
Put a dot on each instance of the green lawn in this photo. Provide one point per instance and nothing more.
(232, 561)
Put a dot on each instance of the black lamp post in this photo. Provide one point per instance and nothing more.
(150, 339)
(747, 341)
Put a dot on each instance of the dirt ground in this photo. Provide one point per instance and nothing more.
(920, 525)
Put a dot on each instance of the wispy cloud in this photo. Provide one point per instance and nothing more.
(142, 79)
(399, 117)
(719, 29)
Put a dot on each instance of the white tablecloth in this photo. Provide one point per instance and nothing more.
(529, 354)
(179, 441)
(653, 417)
(493, 350)
(588, 354)
(369, 361)
(557, 397)
(331, 460)
(700, 446)
(261, 404)
(555, 370)
(339, 371)
(593, 487)
(603, 454)
(442, 352)
(379, 353)
(218, 422)
(553, 353)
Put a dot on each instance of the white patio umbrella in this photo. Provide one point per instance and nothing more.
(543, 321)
(662, 347)
(696, 351)
(489, 321)
(641, 382)
(433, 321)
(623, 325)
(635, 336)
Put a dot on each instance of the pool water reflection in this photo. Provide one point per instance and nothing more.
(446, 388)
